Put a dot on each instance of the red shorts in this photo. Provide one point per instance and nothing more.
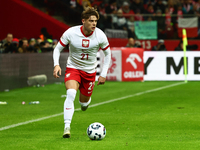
(86, 80)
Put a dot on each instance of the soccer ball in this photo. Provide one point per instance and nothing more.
(96, 131)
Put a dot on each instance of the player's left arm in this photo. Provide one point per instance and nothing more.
(107, 59)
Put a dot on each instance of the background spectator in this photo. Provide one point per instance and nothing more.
(177, 14)
(130, 23)
(47, 46)
(102, 22)
(111, 10)
(168, 23)
(170, 10)
(127, 12)
(120, 2)
(159, 6)
(70, 8)
(167, 17)
(6, 44)
(188, 47)
(187, 7)
(149, 11)
(83, 4)
(180, 46)
(120, 22)
(132, 43)
(137, 4)
(160, 46)
(15, 43)
(44, 34)
(196, 8)
(23, 46)
(160, 24)
(171, 5)
(138, 16)
(38, 40)
(32, 46)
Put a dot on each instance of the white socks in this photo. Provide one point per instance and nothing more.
(69, 106)
(85, 104)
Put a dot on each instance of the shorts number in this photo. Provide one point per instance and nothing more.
(91, 85)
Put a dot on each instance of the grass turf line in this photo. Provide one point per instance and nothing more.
(163, 120)
(94, 105)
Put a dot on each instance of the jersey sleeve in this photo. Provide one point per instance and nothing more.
(56, 53)
(64, 40)
(106, 63)
(106, 49)
(104, 44)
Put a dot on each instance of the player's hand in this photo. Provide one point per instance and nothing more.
(101, 80)
(56, 71)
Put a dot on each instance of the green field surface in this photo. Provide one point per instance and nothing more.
(151, 115)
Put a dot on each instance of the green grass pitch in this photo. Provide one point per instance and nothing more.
(137, 116)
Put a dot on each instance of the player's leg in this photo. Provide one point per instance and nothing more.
(72, 85)
(84, 101)
(86, 89)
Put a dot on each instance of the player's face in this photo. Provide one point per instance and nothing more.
(89, 25)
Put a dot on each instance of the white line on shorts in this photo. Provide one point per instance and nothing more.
(94, 105)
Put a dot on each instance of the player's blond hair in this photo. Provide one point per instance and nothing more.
(89, 11)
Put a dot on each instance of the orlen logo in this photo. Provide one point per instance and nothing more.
(132, 60)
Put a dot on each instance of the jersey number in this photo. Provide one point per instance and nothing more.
(84, 56)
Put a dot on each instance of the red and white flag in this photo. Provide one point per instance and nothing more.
(191, 26)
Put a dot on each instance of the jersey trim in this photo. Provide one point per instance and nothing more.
(83, 32)
(62, 43)
(105, 48)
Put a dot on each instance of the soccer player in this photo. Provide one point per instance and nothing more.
(84, 42)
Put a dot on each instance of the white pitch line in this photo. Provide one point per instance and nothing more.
(94, 105)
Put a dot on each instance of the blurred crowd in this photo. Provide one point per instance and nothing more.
(114, 14)
(44, 43)
(121, 14)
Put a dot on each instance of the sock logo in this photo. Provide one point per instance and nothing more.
(68, 108)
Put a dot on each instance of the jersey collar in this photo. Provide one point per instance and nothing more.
(83, 32)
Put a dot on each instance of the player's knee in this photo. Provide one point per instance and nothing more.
(71, 94)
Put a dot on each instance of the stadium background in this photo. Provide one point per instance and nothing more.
(24, 20)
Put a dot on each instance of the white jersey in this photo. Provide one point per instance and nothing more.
(83, 49)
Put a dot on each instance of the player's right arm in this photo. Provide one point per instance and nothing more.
(56, 56)
(57, 71)
(64, 40)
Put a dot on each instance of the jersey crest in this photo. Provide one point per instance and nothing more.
(85, 43)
